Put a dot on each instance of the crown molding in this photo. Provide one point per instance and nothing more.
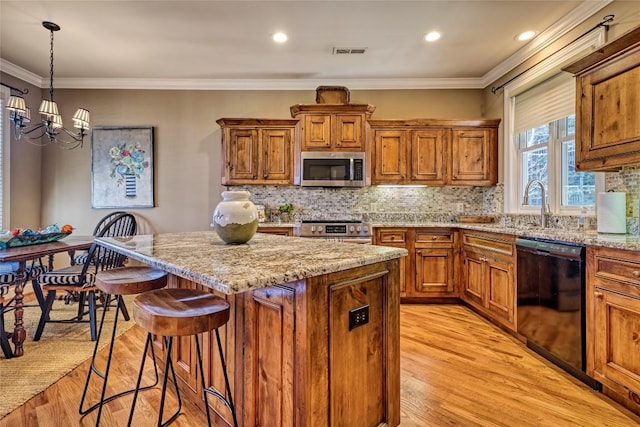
(585, 10)
(241, 84)
(22, 74)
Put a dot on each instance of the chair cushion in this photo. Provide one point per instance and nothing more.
(68, 276)
(32, 272)
(81, 258)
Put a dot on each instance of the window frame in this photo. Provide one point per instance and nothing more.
(512, 162)
(5, 156)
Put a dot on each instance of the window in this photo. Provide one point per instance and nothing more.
(539, 125)
(547, 153)
(4, 158)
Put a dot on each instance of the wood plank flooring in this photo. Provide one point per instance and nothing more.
(457, 370)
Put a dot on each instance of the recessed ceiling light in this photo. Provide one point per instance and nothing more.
(279, 37)
(527, 35)
(432, 36)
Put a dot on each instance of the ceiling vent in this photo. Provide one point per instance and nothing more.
(349, 50)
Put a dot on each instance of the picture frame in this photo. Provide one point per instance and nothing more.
(122, 167)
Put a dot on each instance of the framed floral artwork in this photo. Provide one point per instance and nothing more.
(122, 167)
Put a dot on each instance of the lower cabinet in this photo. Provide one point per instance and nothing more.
(488, 270)
(429, 271)
(613, 322)
(295, 355)
(279, 231)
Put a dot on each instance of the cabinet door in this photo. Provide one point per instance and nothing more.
(607, 121)
(348, 132)
(398, 238)
(500, 289)
(390, 157)
(474, 157)
(269, 358)
(277, 154)
(617, 338)
(242, 155)
(474, 281)
(434, 272)
(427, 157)
(317, 132)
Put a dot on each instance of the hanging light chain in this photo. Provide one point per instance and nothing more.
(51, 68)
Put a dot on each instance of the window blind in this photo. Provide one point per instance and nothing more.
(550, 100)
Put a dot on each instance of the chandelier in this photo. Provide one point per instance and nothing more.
(51, 124)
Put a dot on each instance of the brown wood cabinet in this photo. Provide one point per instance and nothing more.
(332, 127)
(613, 322)
(430, 269)
(434, 152)
(257, 151)
(295, 360)
(608, 105)
(488, 282)
(279, 231)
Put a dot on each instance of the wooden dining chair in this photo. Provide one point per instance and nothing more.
(79, 279)
(102, 223)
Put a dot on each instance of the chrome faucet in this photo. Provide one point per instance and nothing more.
(544, 207)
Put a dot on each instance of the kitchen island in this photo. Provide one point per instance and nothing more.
(313, 338)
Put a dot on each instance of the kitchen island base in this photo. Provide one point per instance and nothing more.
(322, 351)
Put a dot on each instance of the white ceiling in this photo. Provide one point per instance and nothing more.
(227, 44)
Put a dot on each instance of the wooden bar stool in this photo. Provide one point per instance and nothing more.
(181, 312)
(119, 282)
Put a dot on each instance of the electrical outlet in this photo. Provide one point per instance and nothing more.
(358, 316)
(460, 207)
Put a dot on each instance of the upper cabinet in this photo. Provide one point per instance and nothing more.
(608, 105)
(332, 127)
(434, 152)
(256, 151)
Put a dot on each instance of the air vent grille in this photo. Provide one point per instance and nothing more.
(349, 50)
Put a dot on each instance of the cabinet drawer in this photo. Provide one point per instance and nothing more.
(392, 236)
(504, 245)
(616, 270)
(433, 236)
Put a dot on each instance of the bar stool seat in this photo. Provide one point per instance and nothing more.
(119, 282)
(180, 312)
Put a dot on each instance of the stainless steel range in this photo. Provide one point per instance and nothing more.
(341, 231)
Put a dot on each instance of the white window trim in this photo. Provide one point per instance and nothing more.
(5, 93)
(545, 69)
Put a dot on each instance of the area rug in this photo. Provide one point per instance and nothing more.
(62, 347)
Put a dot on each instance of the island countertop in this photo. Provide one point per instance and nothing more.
(266, 260)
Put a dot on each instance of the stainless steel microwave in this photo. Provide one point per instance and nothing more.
(332, 169)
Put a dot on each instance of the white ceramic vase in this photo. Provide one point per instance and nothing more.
(235, 219)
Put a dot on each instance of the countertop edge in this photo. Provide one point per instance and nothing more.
(238, 286)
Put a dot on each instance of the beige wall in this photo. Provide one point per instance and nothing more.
(627, 16)
(25, 168)
(187, 144)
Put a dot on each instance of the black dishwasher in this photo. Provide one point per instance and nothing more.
(551, 303)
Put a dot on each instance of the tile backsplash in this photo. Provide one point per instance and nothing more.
(379, 203)
(416, 204)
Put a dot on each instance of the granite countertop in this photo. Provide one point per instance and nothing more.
(582, 237)
(264, 261)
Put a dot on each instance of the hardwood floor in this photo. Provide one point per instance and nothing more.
(456, 370)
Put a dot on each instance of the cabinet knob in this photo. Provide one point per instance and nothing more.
(636, 273)
(393, 237)
(599, 295)
(265, 176)
(434, 237)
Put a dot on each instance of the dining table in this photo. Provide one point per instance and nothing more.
(25, 254)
